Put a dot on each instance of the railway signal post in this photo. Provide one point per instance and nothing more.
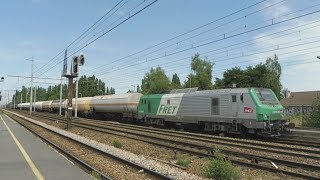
(76, 61)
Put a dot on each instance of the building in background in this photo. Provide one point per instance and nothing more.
(299, 102)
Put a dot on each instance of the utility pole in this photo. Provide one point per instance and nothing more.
(31, 88)
(70, 95)
(27, 94)
(60, 96)
(35, 99)
(8, 100)
(14, 101)
(21, 99)
(76, 62)
(76, 99)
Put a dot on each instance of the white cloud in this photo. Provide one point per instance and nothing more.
(275, 11)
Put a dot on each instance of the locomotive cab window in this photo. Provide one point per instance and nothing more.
(215, 106)
(234, 98)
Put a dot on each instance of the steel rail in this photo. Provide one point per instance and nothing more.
(150, 171)
(202, 154)
(70, 156)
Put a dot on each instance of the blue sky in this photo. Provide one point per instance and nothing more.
(43, 28)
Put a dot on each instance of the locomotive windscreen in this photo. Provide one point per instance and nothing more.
(266, 96)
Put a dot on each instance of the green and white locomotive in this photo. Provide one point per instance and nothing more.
(241, 110)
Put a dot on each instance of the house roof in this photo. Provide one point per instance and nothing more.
(300, 98)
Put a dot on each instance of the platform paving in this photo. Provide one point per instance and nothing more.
(47, 163)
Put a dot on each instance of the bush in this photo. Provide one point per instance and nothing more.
(117, 144)
(313, 119)
(220, 168)
(96, 175)
(183, 161)
(296, 119)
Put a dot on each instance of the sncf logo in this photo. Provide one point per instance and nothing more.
(248, 110)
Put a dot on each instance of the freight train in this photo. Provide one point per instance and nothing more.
(239, 110)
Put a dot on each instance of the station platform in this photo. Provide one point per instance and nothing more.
(24, 156)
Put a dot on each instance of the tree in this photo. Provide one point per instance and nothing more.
(91, 86)
(234, 76)
(265, 75)
(273, 77)
(155, 82)
(284, 93)
(138, 88)
(202, 76)
(112, 90)
(175, 82)
(313, 119)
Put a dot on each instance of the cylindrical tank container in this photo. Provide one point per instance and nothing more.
(83, 104)
(38, 106)
(46, 105)
(116, 103)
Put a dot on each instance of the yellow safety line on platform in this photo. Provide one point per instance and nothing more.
(24, 153)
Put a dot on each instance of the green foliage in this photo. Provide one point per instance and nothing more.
(296, 119)
(273, 78)
(155, 82)
(111, 91)
(138, 88)
(96, 175)
(313, 119)
(220, 168)
(88, 86)
(175, 82)
(117, 144)
(262, 75)
(202, 76)
(183, 161)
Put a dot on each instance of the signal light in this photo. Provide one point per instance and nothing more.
(81, 59)
(75, 65)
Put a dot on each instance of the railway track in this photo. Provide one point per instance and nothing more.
(88, 167)
(136, 132)
(70, 156)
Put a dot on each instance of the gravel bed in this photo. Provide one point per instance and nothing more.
(228, 139)
(98, 160)
(195, 167)
(173, 172)
(243, 150)
(242, 141)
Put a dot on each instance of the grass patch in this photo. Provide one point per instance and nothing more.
(296, 119)
(96, 175)
(183, 161)
(117, 144)
(221, 168)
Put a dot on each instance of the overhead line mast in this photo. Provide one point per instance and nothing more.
(31, 88)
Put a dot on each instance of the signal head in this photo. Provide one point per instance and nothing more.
(81, 59)
(75, 65)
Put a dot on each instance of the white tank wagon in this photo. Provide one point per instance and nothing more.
(64, 103)
(23, 105)
(83, 104)
(46, 106)
(38, 106)
(124, 105)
